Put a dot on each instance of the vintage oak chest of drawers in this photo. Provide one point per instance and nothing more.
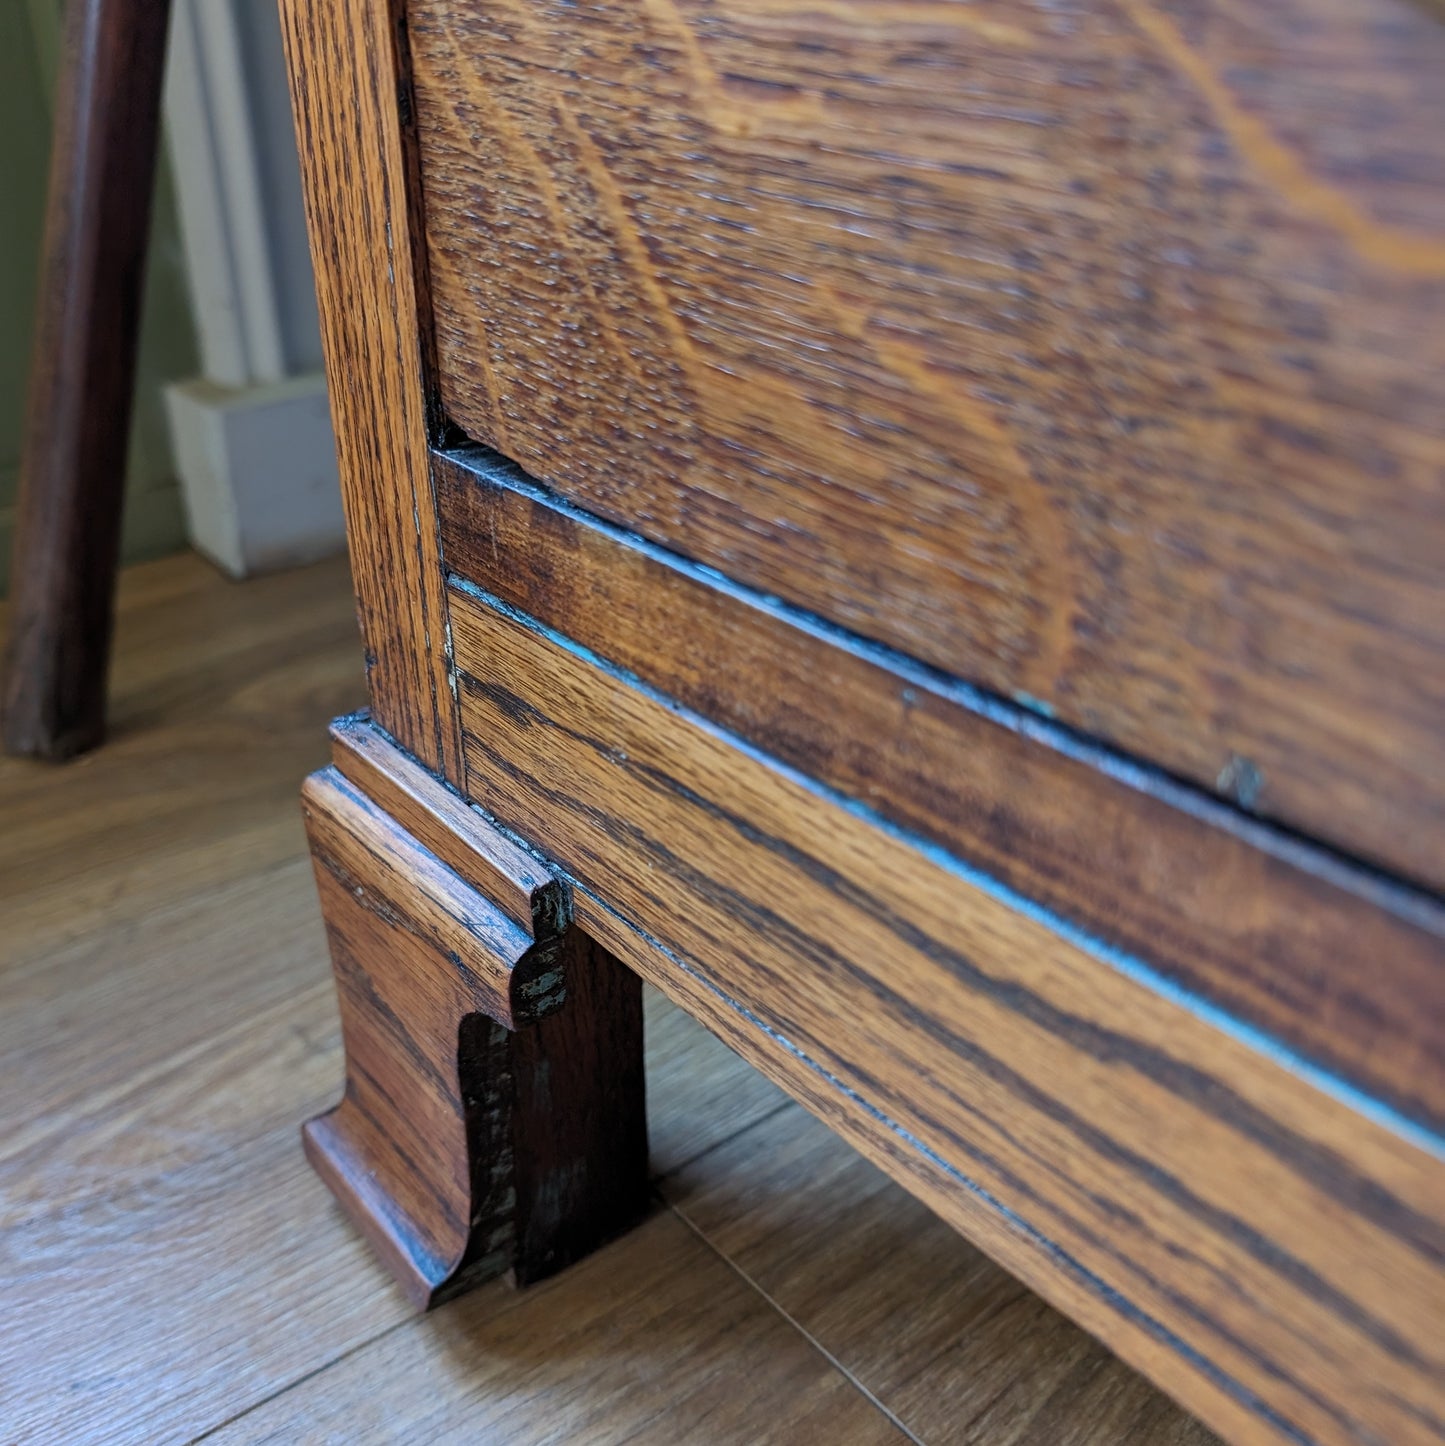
(918, 527)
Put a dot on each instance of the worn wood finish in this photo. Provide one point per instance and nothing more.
(347, 64)
(462, 1148)
(1095, 358)
(507, 972)
(1259, 924)
(579, 1124)
(82, 375)
(1270, 1254)
(972, 364)
(160, 1064)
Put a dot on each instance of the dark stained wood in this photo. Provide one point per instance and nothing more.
(1260, 925)
(579, 1124)
(1268, 1252)
(82, 375)
(460, 1147)
(346, 63)
(1096, 358)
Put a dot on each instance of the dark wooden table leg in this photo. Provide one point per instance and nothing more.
(72, 470)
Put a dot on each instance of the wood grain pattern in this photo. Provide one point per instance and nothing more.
(151, 1074)
(505, 971)
(152, 1070)
(655, 1341)
(82, 376)
(216, 710)
(1269, 1253)
(1094, 357)
(474, 1135)
(347, 65)
(1258, 924)
(957, 1349)
(167, 1014)
(444, 826)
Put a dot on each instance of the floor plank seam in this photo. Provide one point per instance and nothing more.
(301, 1380)
(168, 1017)
(806, 1334)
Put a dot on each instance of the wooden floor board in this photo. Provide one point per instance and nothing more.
(157, 1310)
(170, 1270)
(956, 1348)
(700, 1094)
(108, 1011)
(216, 694)
(651, 1340)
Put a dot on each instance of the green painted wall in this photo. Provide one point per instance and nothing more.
(154, 524)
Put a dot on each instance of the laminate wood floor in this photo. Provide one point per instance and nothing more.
(170, 1270)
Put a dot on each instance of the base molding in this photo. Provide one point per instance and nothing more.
(258, 472)
(494, 1114)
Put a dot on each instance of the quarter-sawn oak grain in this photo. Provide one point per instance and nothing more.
(167, 1014)
(1262, 926)
(509, 973)
(346, 62)
(1271, 1256)
(1095, 354)
(1087, 357)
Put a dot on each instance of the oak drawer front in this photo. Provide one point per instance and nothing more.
(1094, 356)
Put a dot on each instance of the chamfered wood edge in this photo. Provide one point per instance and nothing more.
(348, 75)
(509, 975)
(443, 821)
(1258, 922)
(1306, 1175)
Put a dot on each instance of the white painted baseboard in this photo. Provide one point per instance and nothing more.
(258, 472)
